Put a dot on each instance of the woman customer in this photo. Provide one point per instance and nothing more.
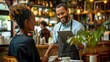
(22, 46)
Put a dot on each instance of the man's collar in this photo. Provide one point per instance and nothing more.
(67, 24)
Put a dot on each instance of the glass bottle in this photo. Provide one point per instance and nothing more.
(51, 5)
(47, 4)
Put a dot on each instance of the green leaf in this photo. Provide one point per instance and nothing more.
(91, 38)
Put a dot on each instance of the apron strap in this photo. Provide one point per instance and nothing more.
(70, 26)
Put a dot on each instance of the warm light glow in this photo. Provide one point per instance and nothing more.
(105, 1)
(2, 1)
(78, 11)
(91, 0)
(50, 24)
(98, 13)
(9, 18)
(35, 12)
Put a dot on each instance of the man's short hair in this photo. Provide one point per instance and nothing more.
(62, 4)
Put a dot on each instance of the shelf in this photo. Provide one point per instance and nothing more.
(5, 30)
(4, 12)
(40, 6)
(95, 24)
(4, 45)
(93, 12)
(43, 11)
(45, 16)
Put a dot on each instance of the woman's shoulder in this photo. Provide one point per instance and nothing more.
(20, 39)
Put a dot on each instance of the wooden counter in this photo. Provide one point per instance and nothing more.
(102, 51)
(42, 46)
(42, 49)
(3, 51)
(103, 46)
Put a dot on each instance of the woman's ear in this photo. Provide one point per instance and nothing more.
(26, 22)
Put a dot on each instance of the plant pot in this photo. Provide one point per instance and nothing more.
(93, 58)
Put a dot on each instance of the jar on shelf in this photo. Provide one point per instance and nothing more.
(35, 10)
(47, 4)
(1, 39)
(51, 5)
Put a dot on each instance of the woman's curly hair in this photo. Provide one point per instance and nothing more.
(19, 13)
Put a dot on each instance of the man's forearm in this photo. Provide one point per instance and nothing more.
(51, 46)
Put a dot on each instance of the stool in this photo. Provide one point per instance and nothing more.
(104, 57)
(9, 59)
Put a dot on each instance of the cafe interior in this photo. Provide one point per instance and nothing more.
(91, 13)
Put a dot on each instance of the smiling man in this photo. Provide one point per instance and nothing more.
(65, 23)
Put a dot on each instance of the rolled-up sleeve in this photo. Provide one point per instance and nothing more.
(55, 37)
(55, 34)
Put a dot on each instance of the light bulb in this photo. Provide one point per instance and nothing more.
(105, 1)
(98, 13)
(35, 12)
(91, 0)
(78, 11)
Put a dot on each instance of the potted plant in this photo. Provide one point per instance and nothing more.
(88, 38)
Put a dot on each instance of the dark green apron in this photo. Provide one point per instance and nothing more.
(67, 50)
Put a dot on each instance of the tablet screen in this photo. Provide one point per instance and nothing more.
(64, 35)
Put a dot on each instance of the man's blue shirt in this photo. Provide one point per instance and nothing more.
(76, 26)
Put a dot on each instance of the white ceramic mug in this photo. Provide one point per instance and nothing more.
(65, 59)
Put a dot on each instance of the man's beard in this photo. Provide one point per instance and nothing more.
(66, 19)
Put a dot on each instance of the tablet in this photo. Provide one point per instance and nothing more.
(64, 35)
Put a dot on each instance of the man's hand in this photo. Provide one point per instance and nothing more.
(45, 59)
(56, 60)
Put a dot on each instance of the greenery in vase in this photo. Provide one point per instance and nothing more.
(88, 38)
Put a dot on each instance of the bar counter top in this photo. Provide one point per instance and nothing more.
(47, 45)
(42, 46)
(102, 46)
(42, 49)
(103, 42)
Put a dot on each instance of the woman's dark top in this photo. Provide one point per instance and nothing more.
(45, 33)
(24, 49)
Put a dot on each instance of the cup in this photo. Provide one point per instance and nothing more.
(65, 59)
(41, 41)
(76, 60)
(52, 58)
